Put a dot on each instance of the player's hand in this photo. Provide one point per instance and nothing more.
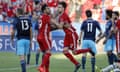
(97, 40)
(104, 41)
(79, 42)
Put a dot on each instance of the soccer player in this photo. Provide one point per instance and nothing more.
(117, 30)
(44, 39)
(22, 25)
(71, 37)
(89, 27)
(109, 37)
(116, 66)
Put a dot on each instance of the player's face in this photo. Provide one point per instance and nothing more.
(60, 8)
(114, 16)
(48, 10)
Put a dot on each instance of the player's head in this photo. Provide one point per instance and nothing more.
(20, 11)
(62, 6)
(88, 13)
(115, 15)
(45, 9)
(108, 14)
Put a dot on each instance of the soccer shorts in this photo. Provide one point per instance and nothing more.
(89, 44)
(70, 41)
(23, 47)
(110, 45)
(118, 42)
(44, 43)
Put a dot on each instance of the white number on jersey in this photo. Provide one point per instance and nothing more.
(89, 27)
(25, 25)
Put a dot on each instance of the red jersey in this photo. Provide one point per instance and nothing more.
(44, 26)
(118, 37)
(65, 18)
(118, 24)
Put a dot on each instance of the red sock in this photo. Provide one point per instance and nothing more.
(82, 51)
(71, 58)
(47, 66)
(45, 59)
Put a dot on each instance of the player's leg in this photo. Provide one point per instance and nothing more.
(21, 53)
(109, 49)
(93, 59)
(67, 45)
(118, 42)
(28, 57)
(71, 58)
(74, 39)
(37, 53)
(84, 46)
(45, 47)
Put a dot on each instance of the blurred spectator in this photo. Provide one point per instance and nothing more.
(1, 14)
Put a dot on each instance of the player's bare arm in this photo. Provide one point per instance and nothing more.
(80, 37)
(12, 35)
(58, 25)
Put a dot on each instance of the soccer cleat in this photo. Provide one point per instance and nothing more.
(41, 69)
(77, 67)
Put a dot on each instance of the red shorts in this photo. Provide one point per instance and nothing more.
(44, 43)
(118, 42)
(70, 40)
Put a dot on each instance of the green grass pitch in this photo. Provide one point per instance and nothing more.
(9, 62)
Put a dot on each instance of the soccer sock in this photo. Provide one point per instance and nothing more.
(71, 58)
(47, 66)
(112, 58)
(28, 58)
(45, 59)
(83, 62)
(37, 57)
(82, 51)
(23, 65)
(93, 60)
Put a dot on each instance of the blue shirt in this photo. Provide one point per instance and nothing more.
(89, 27)
(22, 25)
(108, 28)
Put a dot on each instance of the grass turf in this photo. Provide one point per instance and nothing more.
(9, 62)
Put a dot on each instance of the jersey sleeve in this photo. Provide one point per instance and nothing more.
(82, 26)
(107, 29)
(15, 23)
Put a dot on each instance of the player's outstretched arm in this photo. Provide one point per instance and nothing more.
(59, 25)
(80, 37)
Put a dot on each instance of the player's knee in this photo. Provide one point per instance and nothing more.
(47, 51)
(109, 52)
(65, 50)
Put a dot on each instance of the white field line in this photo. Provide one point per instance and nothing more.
(15, 68)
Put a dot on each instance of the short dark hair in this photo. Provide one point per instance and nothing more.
(88, 13)
(116, 13)
(109, 13)
(44, 7)
(63, 4)
(20, 11)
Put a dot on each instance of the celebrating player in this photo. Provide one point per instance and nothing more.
(44, 38)
(71, 37)
(22, 25)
